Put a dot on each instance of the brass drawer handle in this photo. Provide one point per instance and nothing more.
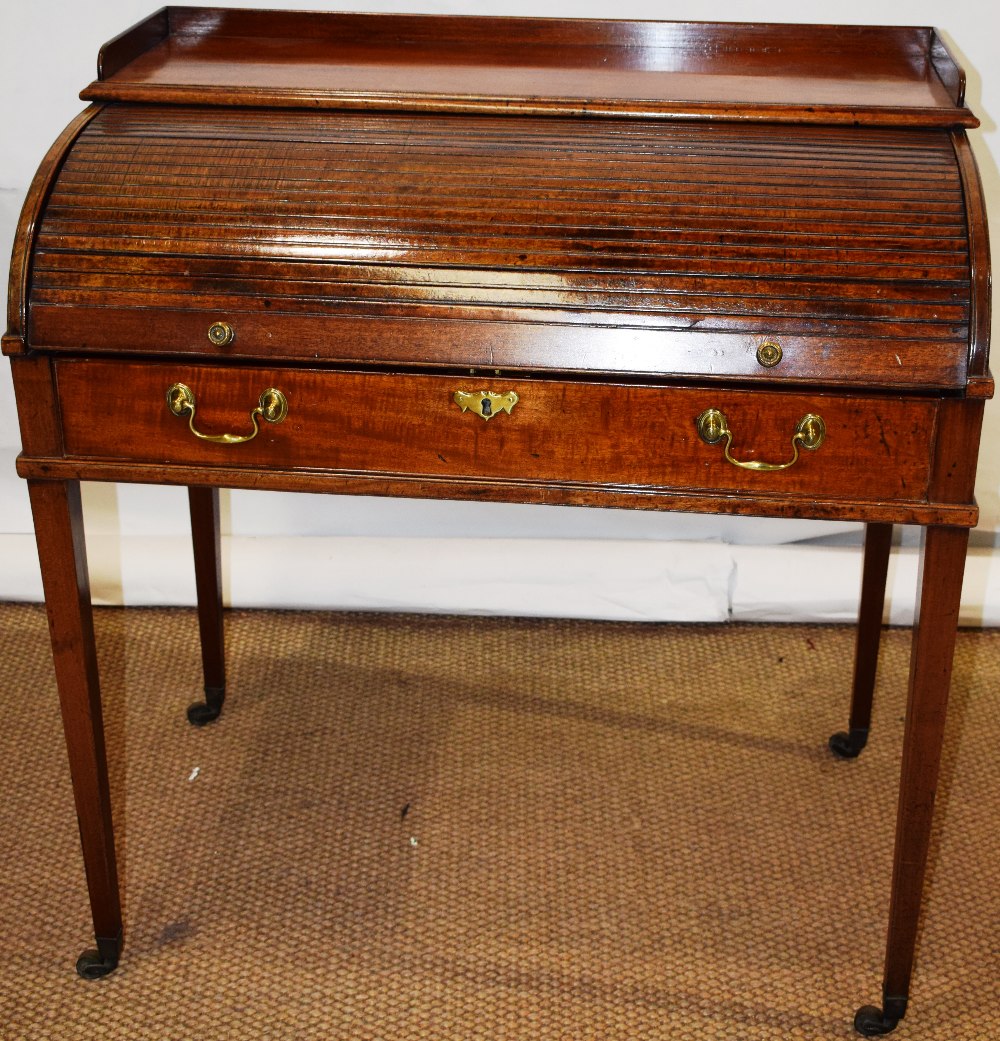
(485, 402)
(713, 426)
(273, 407)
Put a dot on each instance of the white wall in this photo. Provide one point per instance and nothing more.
(393, 554)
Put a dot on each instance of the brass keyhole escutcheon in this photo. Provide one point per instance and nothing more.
(769, 354)
(485, 403)
(221, 333)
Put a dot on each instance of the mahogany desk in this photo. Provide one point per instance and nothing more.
(715, 268)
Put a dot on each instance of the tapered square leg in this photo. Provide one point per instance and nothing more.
(942, 563)
(207, 541)
(58, 519)
(878, 542)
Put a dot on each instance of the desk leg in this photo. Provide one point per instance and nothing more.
(942, 563)
(207, 540)
(58, 519)
(878, 542)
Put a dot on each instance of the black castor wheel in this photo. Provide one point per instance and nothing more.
(207, 711)
(848, 745)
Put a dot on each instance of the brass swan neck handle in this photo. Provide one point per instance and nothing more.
(713, 427)
(272, 407)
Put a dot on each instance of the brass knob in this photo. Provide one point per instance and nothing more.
(221, 333)
(769, 354)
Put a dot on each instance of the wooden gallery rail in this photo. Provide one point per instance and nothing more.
(720, 268)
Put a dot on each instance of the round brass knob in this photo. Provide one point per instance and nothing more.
(769, 354)
(221, 333)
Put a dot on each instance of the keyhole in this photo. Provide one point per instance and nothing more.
(487, 407)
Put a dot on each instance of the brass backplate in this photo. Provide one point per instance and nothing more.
(273, 405)
(180, 399)
(485, 403)
(811, 431)
(712, 426)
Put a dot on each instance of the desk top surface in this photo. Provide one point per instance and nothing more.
(848, 74)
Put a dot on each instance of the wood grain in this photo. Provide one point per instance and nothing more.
(980, 321)
(37, 404)
(62, 555)
(206, 537)
(878, 545)
(642, 436)
(854, 251)
(942, 564)
(27, 228)
(853, 74)
(551, 493)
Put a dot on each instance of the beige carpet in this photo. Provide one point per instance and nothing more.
(436, 828)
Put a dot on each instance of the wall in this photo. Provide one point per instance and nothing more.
(395, 554)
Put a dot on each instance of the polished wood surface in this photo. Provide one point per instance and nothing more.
(41, 185)
(875, 566)
(940, 585)
(551, 493)
(615, 221)
(206, 538)
(630, 246)
(875, 449)
(783, 73)
(58, 520)
(979, 256)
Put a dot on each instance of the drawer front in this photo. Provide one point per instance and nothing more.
(569, 432)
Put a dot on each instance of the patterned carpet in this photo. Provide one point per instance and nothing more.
(456, 828)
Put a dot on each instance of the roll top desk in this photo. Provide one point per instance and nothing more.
(667, 266)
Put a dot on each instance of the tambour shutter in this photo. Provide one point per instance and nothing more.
(642, 246)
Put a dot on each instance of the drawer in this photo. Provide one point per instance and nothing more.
(573, 432)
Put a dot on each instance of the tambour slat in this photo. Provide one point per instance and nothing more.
(669, 242)
(669, 264)
(653, 151)
(616, 171)
(53, 268)
(601, 299)
(901, 205)
(644, 211)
